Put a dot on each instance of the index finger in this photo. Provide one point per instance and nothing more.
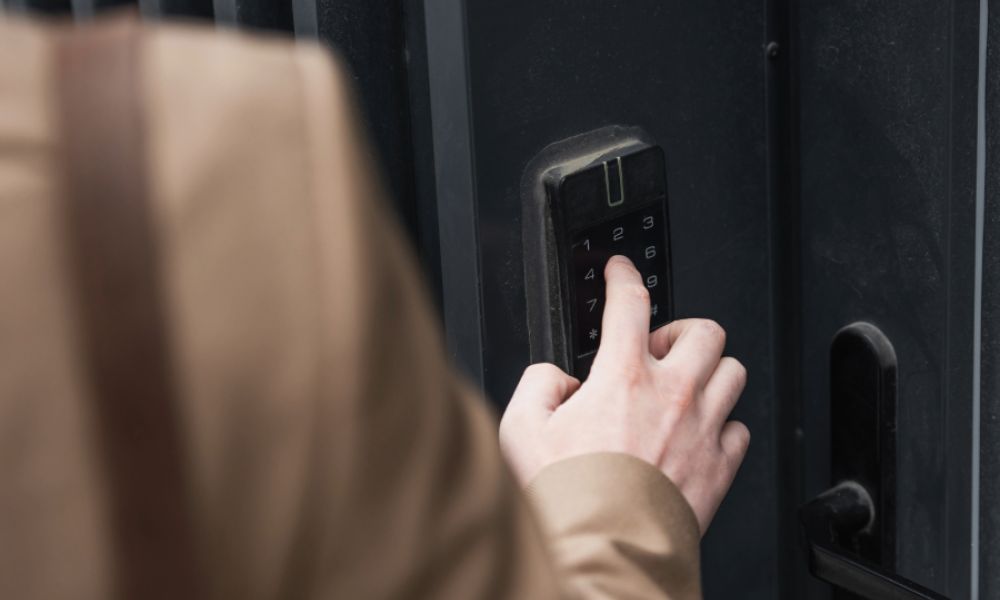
(664, 338)
(626, 314)
(696, 347)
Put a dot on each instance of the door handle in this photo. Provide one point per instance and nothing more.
(844, 511)
(850, 529)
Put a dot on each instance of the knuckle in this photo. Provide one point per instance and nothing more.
(681, 399)
(679, 372)
(626, 373)
(514, 424)
(638, 293)
(669, 371)
(685, 393)
(542, 371)
(507, 425)
(711, 329)
(681, 384)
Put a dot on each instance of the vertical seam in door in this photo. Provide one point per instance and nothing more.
(977, 296)
(305, 19)
(455, 182)
(784, 230)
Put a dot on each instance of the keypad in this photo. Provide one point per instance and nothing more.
(603, 194)
(639, 235)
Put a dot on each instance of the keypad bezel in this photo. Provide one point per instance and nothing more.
(582, 207)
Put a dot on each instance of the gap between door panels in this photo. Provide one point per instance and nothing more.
(782, 110)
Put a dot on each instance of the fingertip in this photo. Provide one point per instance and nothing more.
(735, 440)
(618, 261)
(742, 375)
(625, 322)
(711, 330)
(732, 378)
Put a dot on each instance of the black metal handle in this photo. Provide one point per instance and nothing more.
(839, 513)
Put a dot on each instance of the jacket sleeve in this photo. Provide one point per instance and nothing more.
(618, 528)
(326, 447)
(335, 452)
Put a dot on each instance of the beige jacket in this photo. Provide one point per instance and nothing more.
(219, 374)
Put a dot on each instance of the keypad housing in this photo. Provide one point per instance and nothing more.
(618, 205)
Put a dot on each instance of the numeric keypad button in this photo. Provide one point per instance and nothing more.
(640, 237)
(651, 260)
(588, 282)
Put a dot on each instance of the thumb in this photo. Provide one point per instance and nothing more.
(542, 388)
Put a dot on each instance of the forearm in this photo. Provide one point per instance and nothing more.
(617, 528)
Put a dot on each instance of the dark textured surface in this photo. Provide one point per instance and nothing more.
(371, 36)
(187, 8)
(274, 15)
(691, 74)
(53, 7)
(888, 169)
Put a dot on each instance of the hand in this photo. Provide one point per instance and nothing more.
(663, 397)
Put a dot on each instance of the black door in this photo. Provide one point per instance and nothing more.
(691, 75)
(828, 170)
(888, 128)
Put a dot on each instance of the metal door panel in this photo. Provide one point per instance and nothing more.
(690, 74)
(887, 134)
